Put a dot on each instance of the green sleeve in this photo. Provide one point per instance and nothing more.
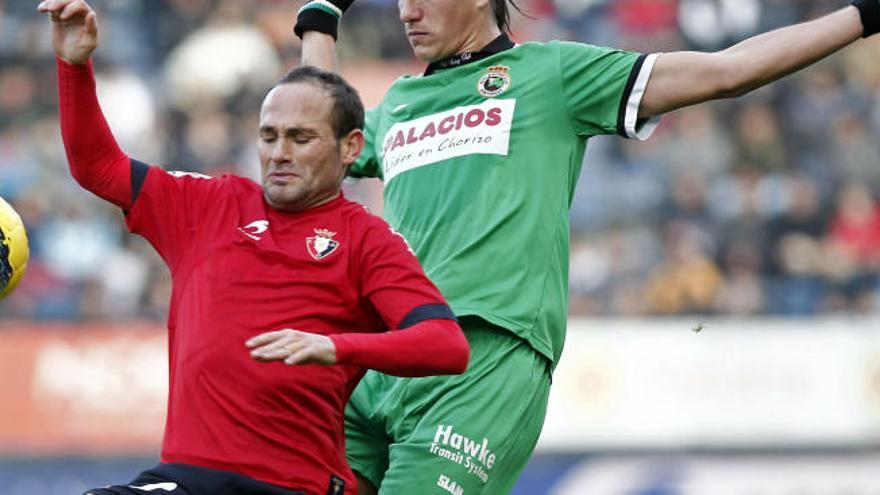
(596, 86)
(367, 165)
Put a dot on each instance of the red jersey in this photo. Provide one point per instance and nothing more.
(241, 268)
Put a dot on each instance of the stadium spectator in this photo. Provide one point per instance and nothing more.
(854, 247)
(687, 280)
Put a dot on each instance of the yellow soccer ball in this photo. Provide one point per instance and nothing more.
(13, 249)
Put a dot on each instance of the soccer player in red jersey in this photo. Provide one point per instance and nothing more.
(290, 273)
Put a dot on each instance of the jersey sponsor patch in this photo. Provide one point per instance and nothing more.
(321, 244)
(467, 130)
(495, 82)
(476, 456)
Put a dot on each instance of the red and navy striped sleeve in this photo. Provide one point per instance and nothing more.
(95, 159)
(163, 207)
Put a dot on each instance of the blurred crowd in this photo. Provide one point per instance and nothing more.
(767, 204)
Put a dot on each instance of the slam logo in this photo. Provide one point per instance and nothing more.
(321, 244)
(494, 82)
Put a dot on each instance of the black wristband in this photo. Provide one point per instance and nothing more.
(316, 20)
(869, 11)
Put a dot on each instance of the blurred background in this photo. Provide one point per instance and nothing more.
(725, 275)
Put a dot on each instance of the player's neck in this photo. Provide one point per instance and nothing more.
(496, 45)
(479, 40)
(306, 204)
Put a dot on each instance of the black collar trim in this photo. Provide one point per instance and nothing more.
(498, 45)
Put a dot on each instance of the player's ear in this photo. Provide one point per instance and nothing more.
(350, 146)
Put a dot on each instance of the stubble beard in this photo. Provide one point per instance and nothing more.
(288, 198)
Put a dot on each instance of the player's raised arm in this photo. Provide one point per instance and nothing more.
(680, 79)
(317, 25)
(96, 161)
(319, 50)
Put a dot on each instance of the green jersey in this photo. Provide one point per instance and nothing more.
(480, 163)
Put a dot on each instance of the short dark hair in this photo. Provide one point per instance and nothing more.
(348, 110)
(502, 14)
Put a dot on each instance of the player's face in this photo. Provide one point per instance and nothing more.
(302, 162)
(437, 29)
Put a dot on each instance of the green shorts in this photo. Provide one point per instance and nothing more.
(467, 434)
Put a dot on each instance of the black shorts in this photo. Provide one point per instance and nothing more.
(183, 479)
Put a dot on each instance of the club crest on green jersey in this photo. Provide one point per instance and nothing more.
(495, 81)
(321, 244)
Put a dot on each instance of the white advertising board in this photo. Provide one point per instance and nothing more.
(657, 384)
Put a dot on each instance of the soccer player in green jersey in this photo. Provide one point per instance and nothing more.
(480, 155)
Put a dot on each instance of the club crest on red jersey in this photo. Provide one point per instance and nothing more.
(495, 81)
(321, 244)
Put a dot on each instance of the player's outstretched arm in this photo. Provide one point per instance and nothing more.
(680, 79)
(96, 161)
(317, 25)
(319, 50)
(431, 347)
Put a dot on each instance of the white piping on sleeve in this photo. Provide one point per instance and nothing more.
(630, 121)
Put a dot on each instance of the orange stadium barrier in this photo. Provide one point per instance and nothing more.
(82, 389)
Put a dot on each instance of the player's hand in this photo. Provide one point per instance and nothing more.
(293, 347)
(321, 16)
(74, 29)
